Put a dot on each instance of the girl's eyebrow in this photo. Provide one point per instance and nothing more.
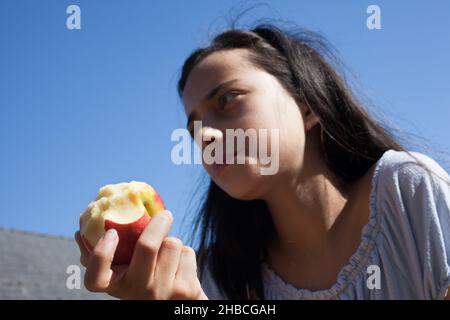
(210, 96)
(214, 91)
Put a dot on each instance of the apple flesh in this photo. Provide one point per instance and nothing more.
(125, 207)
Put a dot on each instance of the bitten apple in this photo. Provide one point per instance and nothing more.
(126, 207)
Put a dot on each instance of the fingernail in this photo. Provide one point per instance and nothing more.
(110, 235)
(169, 214)
(166, 214)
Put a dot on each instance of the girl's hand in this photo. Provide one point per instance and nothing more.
(161, 267)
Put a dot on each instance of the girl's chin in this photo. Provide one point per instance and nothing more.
(224, 171)
(240, 181)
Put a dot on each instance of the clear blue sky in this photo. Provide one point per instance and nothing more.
(83, 108)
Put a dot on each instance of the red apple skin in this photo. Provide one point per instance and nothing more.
(158, 200)
(128, 235)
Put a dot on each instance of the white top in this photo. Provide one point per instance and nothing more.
(407, 239)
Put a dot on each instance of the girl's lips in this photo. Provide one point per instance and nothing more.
(218, 167)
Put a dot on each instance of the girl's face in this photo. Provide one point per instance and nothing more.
(248, 98)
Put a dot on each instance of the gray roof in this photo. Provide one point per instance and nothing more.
(35, 266)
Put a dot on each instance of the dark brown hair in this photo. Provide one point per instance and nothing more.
(351, 142)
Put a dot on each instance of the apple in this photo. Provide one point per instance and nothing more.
(126, 207)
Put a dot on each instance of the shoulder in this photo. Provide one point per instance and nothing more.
(411, 168)
(412, 198)
(413, 184)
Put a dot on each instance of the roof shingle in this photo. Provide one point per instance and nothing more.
(34, 266)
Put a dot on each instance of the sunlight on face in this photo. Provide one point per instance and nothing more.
(225, 91)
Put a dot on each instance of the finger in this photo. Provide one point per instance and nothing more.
(167, 261)
(187, 268)
(84, 253)
(98, 273)
(186, 279)
(143, 262)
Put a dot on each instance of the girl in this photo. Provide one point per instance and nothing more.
(350, 213)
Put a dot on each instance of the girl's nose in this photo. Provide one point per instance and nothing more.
(209, 135)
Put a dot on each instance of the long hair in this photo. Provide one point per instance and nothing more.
(351, 142)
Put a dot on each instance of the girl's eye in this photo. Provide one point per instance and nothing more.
(226, 98)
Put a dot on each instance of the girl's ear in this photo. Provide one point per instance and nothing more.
(309, 118)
